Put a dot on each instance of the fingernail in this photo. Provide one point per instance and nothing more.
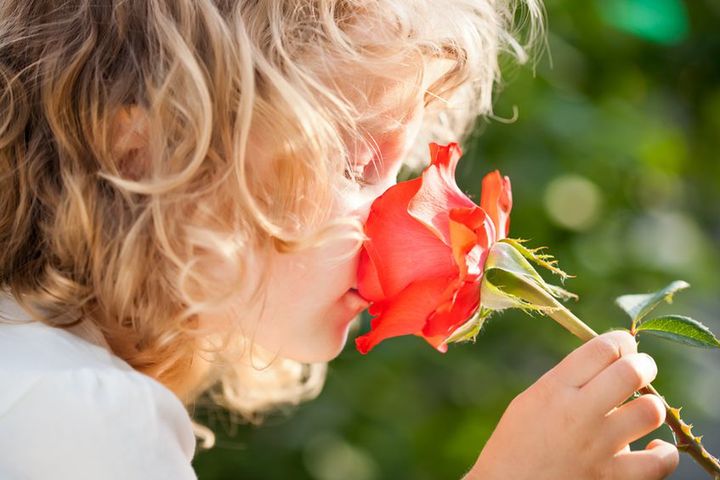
(649, 361)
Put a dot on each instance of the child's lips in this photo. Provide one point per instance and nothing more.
(354, 302)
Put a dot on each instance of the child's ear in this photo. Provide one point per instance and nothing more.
(129, 138)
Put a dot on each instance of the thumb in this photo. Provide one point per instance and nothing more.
(657, 443)
(667, 451)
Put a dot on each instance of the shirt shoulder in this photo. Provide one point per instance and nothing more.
(70, 409)
(96, 423)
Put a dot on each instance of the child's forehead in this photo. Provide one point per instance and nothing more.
(384, 101)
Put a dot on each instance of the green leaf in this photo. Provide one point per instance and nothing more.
(682, 330)
(638, 306)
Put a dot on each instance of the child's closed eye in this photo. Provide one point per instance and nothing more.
(358, 176)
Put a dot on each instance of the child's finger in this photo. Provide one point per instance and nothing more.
(634, 420)
(617, 382)
(586, 361)
(658, 461)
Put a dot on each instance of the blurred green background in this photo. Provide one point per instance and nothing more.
(614, 163)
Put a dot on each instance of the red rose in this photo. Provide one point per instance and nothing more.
(422, 265)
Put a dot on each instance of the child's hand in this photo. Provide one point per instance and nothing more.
(566, 426)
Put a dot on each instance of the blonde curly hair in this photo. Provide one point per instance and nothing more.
(129, 156)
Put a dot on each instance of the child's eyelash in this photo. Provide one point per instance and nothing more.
(357, 178)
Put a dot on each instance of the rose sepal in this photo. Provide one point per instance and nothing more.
(509, 255)
(470, 329)
(511, 281)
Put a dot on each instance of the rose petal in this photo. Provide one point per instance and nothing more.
(462, 240)
(470, 232)
(402, 249)
(368, 281)
(496, 200)
(453, 313)
(406, 313)
(439, 193)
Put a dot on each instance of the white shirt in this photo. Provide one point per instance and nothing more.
(70, 409)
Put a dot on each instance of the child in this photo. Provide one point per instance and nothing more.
(182, 190)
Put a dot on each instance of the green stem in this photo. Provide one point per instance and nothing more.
(685, 440)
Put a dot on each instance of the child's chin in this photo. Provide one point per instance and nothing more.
(323, 349)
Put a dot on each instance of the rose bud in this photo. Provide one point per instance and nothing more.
(422, 264)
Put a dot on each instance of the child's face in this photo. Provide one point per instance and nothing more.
(310, 300)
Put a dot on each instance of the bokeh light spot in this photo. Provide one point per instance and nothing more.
(329, 457)
(671, 241)
(573, 202)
